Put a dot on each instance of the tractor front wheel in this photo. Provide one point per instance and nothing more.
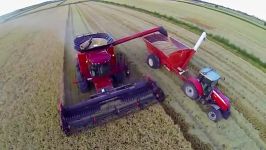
(215, 115)
(190, 90)
(153, 61)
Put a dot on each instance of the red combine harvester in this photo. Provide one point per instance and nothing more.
(99, 66)
(175, 56)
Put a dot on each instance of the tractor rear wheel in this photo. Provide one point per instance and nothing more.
(190, 90)
(153, 61)
(82, 83)
(215, 115)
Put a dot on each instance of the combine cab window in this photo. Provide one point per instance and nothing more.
(98, 70)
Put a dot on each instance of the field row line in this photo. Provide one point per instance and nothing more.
(225, 43)
(238, 105)
(220, 11)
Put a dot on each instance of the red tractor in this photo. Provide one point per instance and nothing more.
(175, 56)
(99, 66)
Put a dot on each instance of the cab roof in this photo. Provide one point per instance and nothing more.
(210, 74)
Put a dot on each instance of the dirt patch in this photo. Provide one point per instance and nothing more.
(198, 22)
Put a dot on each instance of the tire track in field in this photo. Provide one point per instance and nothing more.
(75, 23)
(96, 26)
(192, 42)
(76, 26)
(125, 48)
(254, 117)
(117, 21)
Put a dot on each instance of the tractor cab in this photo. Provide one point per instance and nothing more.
(208, 78)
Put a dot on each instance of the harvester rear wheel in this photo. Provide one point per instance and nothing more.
(82, 83)
(153, 61)
(190, 90)
(215, 115)
(122, 64)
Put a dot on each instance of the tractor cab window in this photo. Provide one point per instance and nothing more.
(207, 84)
(98, 70)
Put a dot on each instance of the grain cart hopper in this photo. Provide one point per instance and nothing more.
(175, 56)
(100, 67)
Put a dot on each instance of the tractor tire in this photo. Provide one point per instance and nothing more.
(226, 114)
(190, 91)
(215, 115)
(83, 84)
(153, 61)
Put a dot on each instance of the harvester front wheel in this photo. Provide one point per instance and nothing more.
(82, 83)
(215, 114)
(119, 77)
(153, 61)
(190, 90)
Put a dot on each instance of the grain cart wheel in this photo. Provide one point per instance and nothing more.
(190, 90)
(215, 114)
(153, 61)
(226, 114)
(82, 83)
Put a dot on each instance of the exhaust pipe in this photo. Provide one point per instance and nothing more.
(200, 40)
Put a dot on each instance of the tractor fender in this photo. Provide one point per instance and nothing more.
(215, 106)
(197, 85)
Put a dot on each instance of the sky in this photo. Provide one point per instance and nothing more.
(7, 6)
(253, 7)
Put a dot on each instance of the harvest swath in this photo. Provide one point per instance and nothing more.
(37, 53)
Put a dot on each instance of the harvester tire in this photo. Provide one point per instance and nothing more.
(153, 61)
(119, 77)
(82, 83)
(190, 90)
(215, 114)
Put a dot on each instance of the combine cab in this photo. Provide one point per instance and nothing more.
(100, 67)
(175, 56)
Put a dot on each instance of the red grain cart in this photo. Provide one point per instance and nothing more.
(175, 56)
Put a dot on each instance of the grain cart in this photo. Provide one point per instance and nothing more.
(175, 56)
(100, 67)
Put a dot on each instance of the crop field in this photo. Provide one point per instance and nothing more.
(231, 12)
(37, 62)
(241, 33)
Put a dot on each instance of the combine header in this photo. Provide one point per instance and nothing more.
(175, 56)
(99, 66)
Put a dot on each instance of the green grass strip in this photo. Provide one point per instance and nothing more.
(225, 43)
(221, 11)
